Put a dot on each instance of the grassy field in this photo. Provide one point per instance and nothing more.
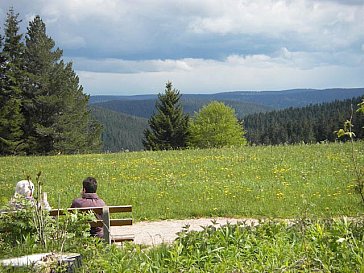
(279, 181)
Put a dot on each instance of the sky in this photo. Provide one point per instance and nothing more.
(131, 47)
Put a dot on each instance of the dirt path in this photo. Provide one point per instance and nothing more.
(157, 232)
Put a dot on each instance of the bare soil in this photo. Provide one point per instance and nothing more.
(157, 232)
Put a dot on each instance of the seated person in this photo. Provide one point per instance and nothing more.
(24, 190)
(89, 198)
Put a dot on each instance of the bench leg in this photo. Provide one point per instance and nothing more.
(106, 226)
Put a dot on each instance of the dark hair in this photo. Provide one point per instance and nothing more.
(90, 184)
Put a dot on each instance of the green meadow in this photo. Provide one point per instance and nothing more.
(261, 181)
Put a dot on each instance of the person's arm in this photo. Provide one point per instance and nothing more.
(44, 204)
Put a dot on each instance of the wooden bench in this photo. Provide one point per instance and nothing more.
(106, 222)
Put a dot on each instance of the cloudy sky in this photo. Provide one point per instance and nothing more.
(128, 47)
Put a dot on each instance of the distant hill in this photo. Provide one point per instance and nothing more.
(294, 97)
(242, 108)
(146, 108)
(120, 131)
(273, 99)
(97, 99)
(125, 117)
(310, 124)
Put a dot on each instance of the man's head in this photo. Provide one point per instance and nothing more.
(90, 185)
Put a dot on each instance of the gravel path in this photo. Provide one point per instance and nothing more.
(157, 232)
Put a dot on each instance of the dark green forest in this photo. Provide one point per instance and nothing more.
(120, 132)
(146, 108)
(310, 124)
(292, 98)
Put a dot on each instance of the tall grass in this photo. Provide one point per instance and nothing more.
(265, 181)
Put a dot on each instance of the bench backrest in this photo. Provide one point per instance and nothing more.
(106, 222)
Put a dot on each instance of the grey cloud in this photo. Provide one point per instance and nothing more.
(163, 29)
(187, 40)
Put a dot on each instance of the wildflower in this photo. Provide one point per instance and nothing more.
(340, 240)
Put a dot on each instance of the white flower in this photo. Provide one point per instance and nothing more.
(340, 240)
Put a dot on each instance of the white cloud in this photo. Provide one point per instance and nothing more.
(256, 72)
(219, 78)
(140, 26)
(126, 66)
(319, 24)
(205, 45)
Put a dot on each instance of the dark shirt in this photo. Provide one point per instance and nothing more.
(90, 200)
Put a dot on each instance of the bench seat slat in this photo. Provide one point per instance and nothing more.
(122, 238)
(113, 222)
(97, 210)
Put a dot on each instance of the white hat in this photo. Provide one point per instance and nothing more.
(24, 187)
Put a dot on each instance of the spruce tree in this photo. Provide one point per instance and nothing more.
(58, 120)
(169, 126)
(11, 81)
(75, 130)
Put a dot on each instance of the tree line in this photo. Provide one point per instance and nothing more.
(310, 124)
(43, 109)
(215, 125)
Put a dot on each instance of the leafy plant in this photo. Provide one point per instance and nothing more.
(358, 170)
(29, 229)
(327, 245)
(216, 126)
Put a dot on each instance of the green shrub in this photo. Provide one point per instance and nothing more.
(327, 245)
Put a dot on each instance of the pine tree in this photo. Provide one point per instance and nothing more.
(169, 126)
(11, 80)
(75, 130)
(58, 120)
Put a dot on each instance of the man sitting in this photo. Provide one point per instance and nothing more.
(89, 198)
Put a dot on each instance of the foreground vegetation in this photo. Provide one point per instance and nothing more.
(311, 183)
(301, 246)
(317, 246)
(265, 181)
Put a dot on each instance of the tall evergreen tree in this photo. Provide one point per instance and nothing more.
(11, 81)
(169, 126)
(56, 107)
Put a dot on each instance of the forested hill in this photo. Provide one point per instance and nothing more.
(124, 120)
(145, 108)
(309, 124)
(120, 131)
(294, 97)
(270, 99)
